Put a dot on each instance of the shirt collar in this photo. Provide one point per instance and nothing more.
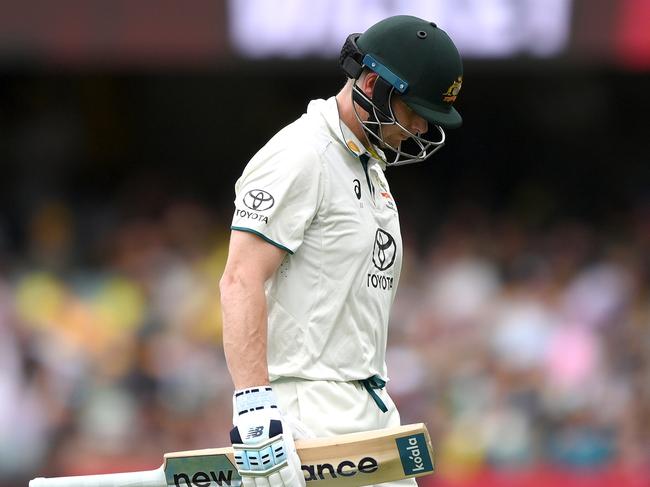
(330, 112)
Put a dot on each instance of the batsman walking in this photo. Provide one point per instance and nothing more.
(316, 251)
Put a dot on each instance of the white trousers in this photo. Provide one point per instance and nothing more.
(329, 408)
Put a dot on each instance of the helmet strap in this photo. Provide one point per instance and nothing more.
(381, 99)
(378, 107)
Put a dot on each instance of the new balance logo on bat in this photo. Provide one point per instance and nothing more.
(346, 468)
(204, 479)
(320, 471)
(201, 471)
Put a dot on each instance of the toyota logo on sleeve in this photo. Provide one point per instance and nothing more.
(383, 253)
(258, 200)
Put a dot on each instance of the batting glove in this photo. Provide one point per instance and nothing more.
(265, 454)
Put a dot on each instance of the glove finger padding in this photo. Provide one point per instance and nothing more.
(293, 461)
(276, 479)
(260, 458)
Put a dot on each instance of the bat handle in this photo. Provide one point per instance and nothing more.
(146, 478)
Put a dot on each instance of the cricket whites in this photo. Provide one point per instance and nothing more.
(351, 460)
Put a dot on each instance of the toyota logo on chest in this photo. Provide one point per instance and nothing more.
(384, 250)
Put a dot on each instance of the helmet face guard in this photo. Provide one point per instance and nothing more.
(380, 114)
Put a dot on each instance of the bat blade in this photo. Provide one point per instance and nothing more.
(368, 458)
(351, 460)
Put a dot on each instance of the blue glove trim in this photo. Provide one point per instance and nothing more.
(254, 399)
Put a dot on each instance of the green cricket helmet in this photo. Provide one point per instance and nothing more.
(415, 60)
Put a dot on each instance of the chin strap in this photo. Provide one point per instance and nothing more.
(379, 107)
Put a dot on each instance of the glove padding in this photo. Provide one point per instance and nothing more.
(265, 453)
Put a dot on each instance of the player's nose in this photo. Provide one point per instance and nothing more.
(419, 125)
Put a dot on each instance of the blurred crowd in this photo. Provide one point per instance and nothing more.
(528, 346)
(518, 346)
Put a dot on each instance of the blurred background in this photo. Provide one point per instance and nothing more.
(521, 330)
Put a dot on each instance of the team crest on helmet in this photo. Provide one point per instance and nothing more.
(450, 95)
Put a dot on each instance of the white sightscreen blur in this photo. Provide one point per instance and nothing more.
(479, 28)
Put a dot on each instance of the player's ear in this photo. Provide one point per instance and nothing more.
(368, 83)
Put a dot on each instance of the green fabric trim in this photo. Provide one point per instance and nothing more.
(375, 382)
(263, 237)
(364, 158)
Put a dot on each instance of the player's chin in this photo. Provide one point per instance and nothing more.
(393, 143)
(388, 140)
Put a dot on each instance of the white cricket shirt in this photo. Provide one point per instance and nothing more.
(307, 192)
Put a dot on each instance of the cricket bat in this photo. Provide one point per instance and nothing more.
(351, 460)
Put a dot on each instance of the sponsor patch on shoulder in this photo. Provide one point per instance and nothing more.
(258, 200)
(251, 215)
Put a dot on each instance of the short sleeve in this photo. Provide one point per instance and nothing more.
(278, 195)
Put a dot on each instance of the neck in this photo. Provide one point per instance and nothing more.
(347, 115)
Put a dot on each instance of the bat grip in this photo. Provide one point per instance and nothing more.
(146, 478)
